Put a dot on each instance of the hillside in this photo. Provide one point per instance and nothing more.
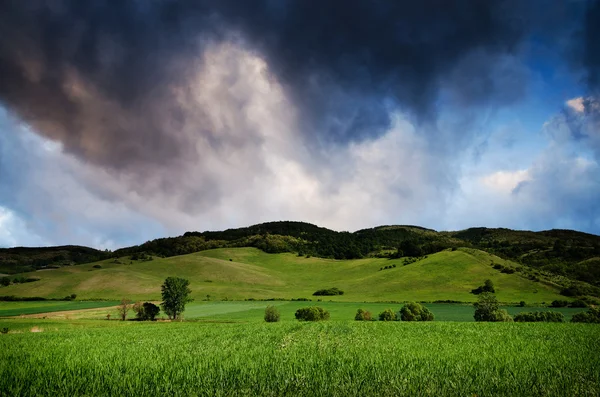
(23, 259)
(570, 254)
(248, 273)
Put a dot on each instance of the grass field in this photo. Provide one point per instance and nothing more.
(24, 308)
(241, 273)
(103, 358)
(236, 311)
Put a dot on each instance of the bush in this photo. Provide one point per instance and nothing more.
(488, 286)
(271, 314)
(522, 304)
(4, 330)
(578, 303)
(502, 316)
(415, 312)
(536, 317)
(591, 316)
(5, 281)
(329, 292)
(363, 315)
(313, 313)
(387, 315)
(97, 267)
(559, 303)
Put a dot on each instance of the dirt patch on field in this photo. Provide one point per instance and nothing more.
(36, 329)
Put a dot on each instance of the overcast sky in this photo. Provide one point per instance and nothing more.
(126, 121)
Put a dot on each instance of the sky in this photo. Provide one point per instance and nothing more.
(122, 122)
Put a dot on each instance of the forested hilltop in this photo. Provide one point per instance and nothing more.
(563, 252)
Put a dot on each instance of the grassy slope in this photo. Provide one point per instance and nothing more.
(252, 273)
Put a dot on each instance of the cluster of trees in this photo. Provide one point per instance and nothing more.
(328, 292)
(562, 303)
(21, 259)
(591, 316)
(411, 311)
(175, 295)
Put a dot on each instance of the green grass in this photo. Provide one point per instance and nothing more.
(308, 359)
(252, 273)
(254, 311)
(22, 308)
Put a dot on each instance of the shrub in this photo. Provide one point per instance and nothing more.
(97, 267)
(488, 286)
(328, 292)
(522, 304)
(591, 316)
(271, 314)
(578, 303)
(535, 317)
(313, 313)
(363, 315)
(387, 315)
(559, 303)
(507, 270)
(4, 330)
(415, 312)
(5, 281)
(502, 316)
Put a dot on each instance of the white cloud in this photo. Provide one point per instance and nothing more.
(576, 104)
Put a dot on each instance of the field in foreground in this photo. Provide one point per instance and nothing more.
(104, 358)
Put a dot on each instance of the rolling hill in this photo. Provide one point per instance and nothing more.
(249, 273)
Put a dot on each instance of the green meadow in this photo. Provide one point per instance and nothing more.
(248, 273)
(335, 358)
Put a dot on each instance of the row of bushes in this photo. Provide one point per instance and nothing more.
(12, 298)
(536, 317)
(6, 281)
(410, 312)
(560, 303)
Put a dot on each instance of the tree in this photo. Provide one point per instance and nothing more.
(415, 312)
(363, 315)
(123, 308)
(271, 314)
(175, 295)
(387, 315)
(150, 311)
(591, 316)
(487, 308)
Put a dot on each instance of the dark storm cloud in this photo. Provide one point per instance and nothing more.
(591, 54)
(99, 76)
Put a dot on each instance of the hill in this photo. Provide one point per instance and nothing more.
(23, 259)
(555, 254)
(249, 273)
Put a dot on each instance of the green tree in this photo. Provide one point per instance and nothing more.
(150, 311)
(413, 311)
(487, 308)
(175, 295)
